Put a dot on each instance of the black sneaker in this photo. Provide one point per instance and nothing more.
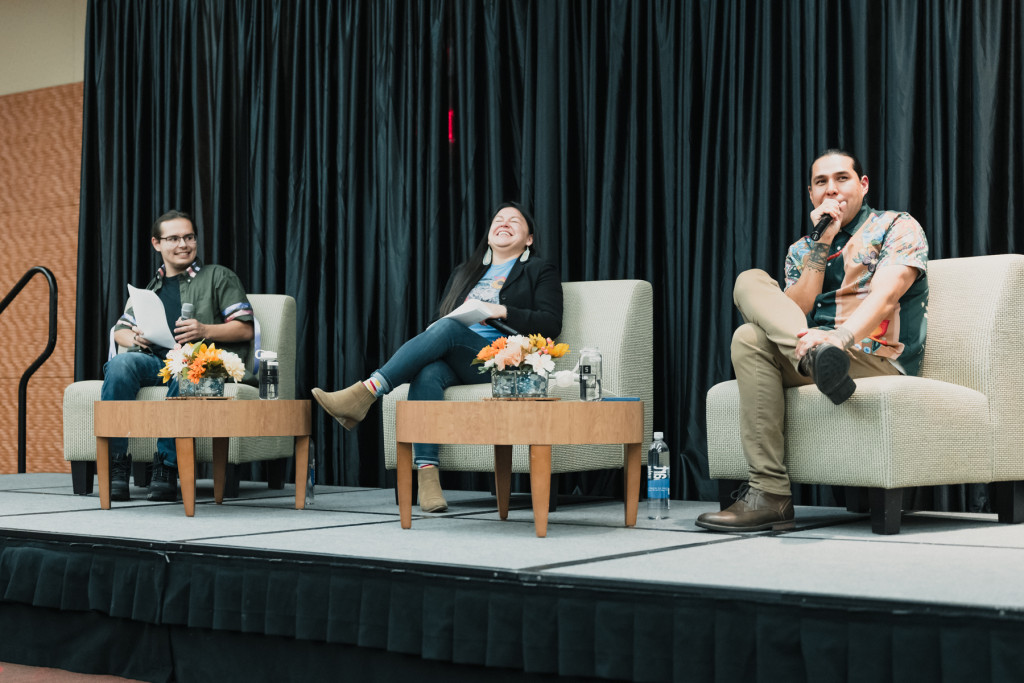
(163, 486)
(120, 467)
(829, 367)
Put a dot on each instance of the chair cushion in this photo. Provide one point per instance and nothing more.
(905, 431)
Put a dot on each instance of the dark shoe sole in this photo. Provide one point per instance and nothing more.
(119, 495)
(832, 373)
(783, 525)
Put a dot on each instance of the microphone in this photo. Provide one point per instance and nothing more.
(822, 225)
(502, 327)
(187, 311)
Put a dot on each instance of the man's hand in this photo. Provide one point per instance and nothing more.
(832, 208)
(808, 339)
(131, 337)
(191, 330)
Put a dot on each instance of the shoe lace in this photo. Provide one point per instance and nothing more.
(741, 492)
(119, 467)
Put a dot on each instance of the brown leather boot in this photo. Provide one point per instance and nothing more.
(755, 510)
(348, 406)
(431, 496)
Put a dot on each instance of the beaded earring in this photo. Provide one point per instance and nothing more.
(487, 257)
(526, 255)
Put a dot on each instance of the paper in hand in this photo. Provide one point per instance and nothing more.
(150, 317)
(470, 312)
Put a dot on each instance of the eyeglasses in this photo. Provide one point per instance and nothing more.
(187, 239)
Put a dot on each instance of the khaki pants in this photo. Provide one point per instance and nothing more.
(764, 358)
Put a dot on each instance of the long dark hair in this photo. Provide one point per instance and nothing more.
(469, 272)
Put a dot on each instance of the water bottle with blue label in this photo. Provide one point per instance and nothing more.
(658, 462)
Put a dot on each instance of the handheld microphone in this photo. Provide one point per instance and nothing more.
(502, 327)
(187, 311)
(822, 225)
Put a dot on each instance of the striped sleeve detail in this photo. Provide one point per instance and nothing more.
(126, 320)
(235, 311)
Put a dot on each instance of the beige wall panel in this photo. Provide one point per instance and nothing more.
(42, 43)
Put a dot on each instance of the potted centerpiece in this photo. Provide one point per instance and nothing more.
(520, 365)
(201, 369)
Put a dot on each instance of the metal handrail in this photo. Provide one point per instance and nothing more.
(23, 385)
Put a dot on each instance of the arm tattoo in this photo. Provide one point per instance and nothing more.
(816, 257)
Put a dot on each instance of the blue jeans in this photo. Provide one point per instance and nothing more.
(432, 361)
(123, 376)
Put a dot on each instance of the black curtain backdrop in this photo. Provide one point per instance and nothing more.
(666, 141)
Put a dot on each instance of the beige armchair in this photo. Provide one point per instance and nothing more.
(615, 316)
(959, 422)
(275, 318)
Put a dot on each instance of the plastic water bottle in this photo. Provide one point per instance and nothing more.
(311, 478)
(590, 375)
(658, 461)
(269, 375)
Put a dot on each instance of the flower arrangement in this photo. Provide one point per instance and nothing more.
(198, 361)
(517, 352)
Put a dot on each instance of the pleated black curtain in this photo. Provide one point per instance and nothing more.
(349, 153)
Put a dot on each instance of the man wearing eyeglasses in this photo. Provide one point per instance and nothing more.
(221, 314)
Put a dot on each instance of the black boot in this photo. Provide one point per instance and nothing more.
(163, 486)
(829, 367)
(120, 466)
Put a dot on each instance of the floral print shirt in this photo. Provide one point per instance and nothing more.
(872, 240)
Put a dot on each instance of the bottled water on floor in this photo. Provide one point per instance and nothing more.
(658, 462)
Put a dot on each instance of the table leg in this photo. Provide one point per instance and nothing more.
(187, 473)
(404, 483)
(301, 470)
(103, 470)
(503, 478)
(540, 486)
(220, 468)
(632, 482)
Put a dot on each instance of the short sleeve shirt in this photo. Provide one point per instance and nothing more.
(216, 294)
(874, 239)
(488, 289)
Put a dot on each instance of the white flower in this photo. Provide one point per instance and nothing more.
(178, 356)
(233, 364)
(542, 364)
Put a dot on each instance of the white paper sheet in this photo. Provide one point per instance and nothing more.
(150, 317)
(471, 312)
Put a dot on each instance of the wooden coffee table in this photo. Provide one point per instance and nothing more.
(539, 424)
(185, 420)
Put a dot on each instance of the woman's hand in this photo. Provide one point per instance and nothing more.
(494, 311)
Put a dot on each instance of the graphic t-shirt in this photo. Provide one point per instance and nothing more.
(488, 289)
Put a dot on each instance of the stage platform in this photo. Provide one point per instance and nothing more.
(256, 590)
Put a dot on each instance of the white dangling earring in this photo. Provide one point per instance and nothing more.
(487, 257)
(526, 255)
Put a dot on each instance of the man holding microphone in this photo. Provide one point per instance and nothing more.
(202, 303)
(854, 305)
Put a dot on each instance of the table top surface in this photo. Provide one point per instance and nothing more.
(520, 422)
(199, 417)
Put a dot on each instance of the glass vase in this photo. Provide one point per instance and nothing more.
(206, 387)
(531, 385)
(503, 384)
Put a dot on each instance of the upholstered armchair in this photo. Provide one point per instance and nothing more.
(615, 316)
(275, 318)
(959, 422)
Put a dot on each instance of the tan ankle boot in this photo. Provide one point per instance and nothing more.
(431, 496)
(348, 406)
